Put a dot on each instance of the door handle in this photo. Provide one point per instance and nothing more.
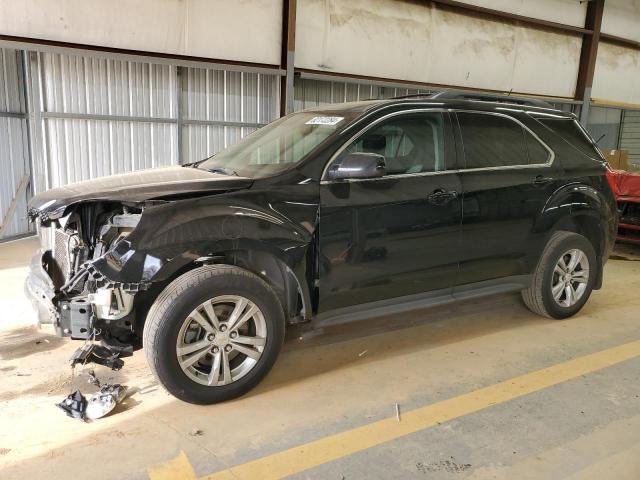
(441, 197)
(542, 180)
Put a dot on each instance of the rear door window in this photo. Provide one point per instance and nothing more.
(492, 141)
(538, 154)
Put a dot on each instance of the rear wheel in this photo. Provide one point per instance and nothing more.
(213, 334)
(564, 277)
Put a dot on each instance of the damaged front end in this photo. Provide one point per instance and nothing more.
(65, 286)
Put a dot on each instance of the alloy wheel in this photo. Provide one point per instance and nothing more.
(221, 340)
(570, 277)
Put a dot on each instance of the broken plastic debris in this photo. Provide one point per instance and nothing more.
(93, 353)
(93, 380)
(104, 401)
(99, 404)
(74, 405)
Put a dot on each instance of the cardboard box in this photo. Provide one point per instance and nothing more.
(618, 159)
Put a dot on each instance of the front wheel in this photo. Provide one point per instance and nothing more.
(213, 334)
(564, 276)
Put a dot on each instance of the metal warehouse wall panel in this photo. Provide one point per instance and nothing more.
(617, 73)
(622, 18)
(419, 42)
(220, 107)
(310, 93)
(14, 150)
(83, 149)
(77, 89)
(77, 84)
(100, 116)
(198, 28)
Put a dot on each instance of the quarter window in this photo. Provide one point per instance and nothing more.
(492, 141)
(569, 129)
(410, 143)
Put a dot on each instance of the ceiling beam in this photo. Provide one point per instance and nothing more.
(522, 19)
(623, 42)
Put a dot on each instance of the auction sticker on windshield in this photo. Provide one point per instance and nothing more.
(324, 121)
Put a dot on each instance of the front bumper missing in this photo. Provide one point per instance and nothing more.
(40, 290)
(70, 318)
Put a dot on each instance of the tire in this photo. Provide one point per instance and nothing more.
(539, 297)
(172, 321)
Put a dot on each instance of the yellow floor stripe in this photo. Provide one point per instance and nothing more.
(178, 468)
(312, 454)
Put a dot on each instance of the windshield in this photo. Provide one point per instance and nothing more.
(277, 146)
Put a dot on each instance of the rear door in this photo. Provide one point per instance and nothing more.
(397, 235)
(507, 175)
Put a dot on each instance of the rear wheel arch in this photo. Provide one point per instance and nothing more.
(587, 225)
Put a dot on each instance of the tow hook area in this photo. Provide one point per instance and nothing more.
(76, 318)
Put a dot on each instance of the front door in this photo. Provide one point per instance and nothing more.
(396, 235)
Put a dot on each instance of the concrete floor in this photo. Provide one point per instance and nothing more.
(348, 377)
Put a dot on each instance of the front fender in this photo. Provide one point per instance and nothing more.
(171, 236)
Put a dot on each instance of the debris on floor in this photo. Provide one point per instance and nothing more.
(94, 353)
(397, 412)
(363, 353)
(98, 405)
(74, 405)
(196, 432)
(104, 401)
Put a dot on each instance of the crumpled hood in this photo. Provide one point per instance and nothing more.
(135, 187)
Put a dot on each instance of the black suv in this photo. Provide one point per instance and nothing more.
(326, 215)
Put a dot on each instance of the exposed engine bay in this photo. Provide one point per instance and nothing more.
(86, 305)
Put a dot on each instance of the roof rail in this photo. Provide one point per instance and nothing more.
(489, 97)
(413, 95)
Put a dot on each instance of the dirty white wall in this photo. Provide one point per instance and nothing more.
(243, 30)
(617, 75)
(622, 19)
(569, 12)
(412, 41)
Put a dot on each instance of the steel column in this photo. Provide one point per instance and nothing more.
(588, 54)
(287, 61)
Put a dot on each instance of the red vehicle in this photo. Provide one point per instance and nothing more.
(626, 188)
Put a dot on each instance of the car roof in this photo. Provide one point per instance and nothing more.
(447, 99)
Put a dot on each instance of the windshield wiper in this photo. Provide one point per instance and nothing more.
(222, 170)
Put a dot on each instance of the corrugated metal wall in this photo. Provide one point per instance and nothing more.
(630, 135)
(220, 107)
(14, 150)
(76, 89)
(309, 93)
(102, 116)
(91, 115)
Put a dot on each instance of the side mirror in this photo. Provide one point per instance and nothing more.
(358, 165)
